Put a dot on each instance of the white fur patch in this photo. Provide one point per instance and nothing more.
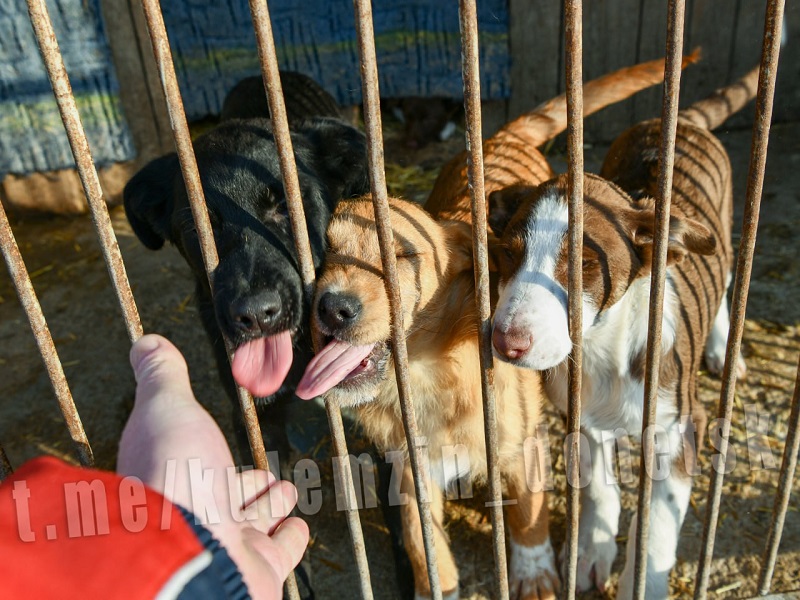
(667, 510)
(533, 301)
(529, 563)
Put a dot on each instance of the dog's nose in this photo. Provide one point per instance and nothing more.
(338, 310)
(257, 313)
(512, 344)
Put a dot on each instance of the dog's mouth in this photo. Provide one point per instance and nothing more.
(261, 364)
(344, 365)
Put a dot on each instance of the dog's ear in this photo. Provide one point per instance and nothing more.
(685, 235)
(459, 243)
(341, 152)
(149, 200)
(503, 204)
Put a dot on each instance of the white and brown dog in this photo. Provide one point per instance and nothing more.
(530, 325)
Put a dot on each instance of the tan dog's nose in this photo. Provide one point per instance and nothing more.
(338, 310)
(512, 344)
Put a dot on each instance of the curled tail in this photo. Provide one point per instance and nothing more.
(711, 112)
(549, 119)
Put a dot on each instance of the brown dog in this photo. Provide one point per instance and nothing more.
(530, 322)
(511, 157)
(437, 284)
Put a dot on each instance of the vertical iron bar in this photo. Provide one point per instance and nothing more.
(51, 55)
(782, 496)
(33, 310)
(194, 189)
(773, 25)
(5, 465)
(280, 128)
(472, 107)
(573, 29)
(380, 201)
(666, 162)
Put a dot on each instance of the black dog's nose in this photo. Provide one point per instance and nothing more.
(257, 313)
(338, 310)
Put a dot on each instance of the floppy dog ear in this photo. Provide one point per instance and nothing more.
(459, 244)
(503, 205)
(685, 235)
(148, 199)
(341, 152)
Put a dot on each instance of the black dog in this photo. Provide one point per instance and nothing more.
(258, 302)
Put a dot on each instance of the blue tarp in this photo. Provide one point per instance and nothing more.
(418, 47)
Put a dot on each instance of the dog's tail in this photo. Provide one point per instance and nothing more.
(712, 112)
(549, 119)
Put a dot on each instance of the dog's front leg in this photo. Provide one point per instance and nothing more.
(600, 509)
(412, 538)
(532, 569)
(668, 506)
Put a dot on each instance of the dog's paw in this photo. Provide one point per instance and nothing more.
(596, 553)
(715, 361)
(532, 572)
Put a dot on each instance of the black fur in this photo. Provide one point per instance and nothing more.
(241, 179)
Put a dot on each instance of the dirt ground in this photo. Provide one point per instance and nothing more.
(71, 282)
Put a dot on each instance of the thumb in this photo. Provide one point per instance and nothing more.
(159, 368)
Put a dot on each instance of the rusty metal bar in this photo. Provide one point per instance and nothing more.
(472, 107)
(280, 128)
(5, 465)
(194, 189)
(33, 310)
(773, 25)
(380, 201)
(51, 55)
(666, 162)
(573, 16)
(784, 493)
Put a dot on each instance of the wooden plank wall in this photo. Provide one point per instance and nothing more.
(619, 33)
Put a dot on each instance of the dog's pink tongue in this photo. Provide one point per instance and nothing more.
(328, 368)
(261, 365)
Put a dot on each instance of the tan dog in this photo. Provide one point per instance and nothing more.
(530, 322)
(437, 285)
(511, 157)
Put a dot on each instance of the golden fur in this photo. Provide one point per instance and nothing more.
(437, 288)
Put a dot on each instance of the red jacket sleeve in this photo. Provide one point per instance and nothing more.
(68, 532)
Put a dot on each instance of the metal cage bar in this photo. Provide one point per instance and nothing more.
(280, 127)
(666, 161)
(47, 348)
(59, 80)
(194, 189)
(380, 202)
(573, 33)
(773, 25)
(472, 107)
(783, 494)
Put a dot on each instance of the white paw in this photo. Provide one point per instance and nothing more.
(715, 361)
(532, 572)
(596, 553)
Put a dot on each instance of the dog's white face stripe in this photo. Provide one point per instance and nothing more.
(532, 300)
